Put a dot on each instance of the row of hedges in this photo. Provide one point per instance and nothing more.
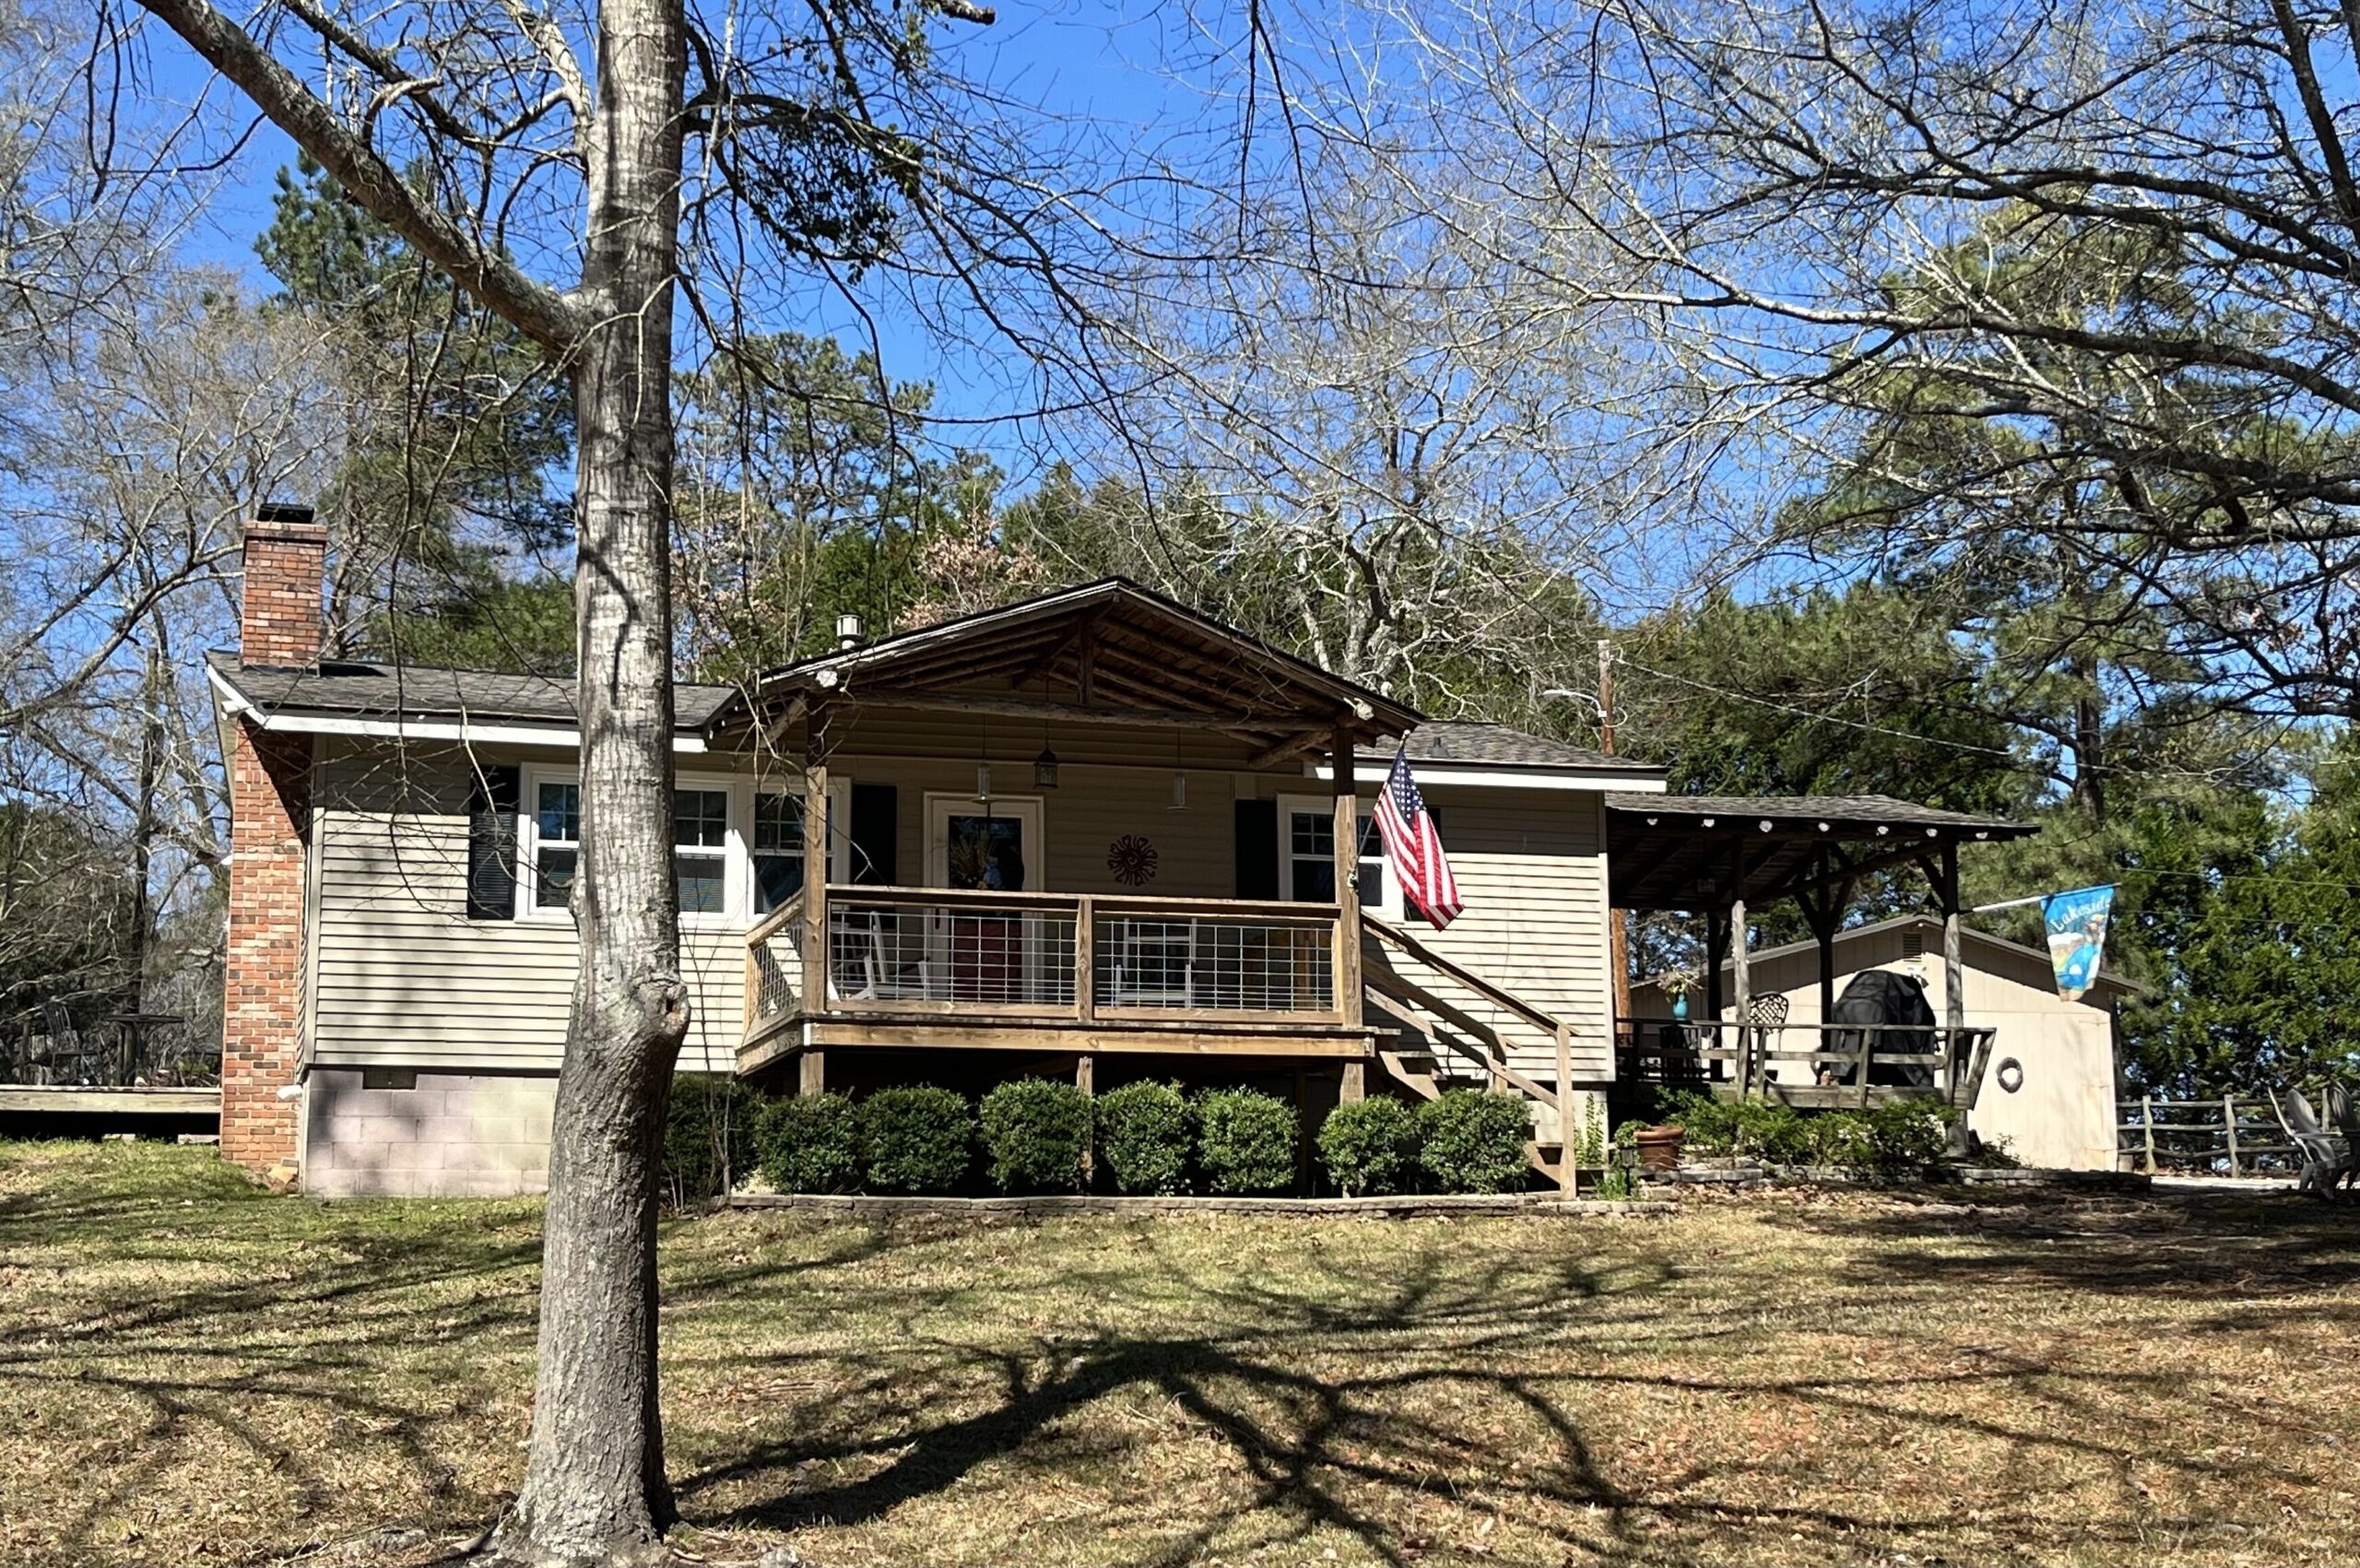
(1885, 1142)
(1150, 1138)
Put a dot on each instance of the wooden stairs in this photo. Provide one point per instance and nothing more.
(1448, 1040)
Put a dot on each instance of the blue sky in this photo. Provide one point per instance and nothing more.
(1103, 65)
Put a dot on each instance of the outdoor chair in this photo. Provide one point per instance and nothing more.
(1765, 1016)
(2343, 1115)
(869, 964)
(2326, 1159)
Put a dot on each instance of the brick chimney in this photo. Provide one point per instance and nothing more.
(270, 795)
(287, 558)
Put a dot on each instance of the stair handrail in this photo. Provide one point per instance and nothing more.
(1506, 1000)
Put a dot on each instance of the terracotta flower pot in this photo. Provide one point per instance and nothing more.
(1659, 1147)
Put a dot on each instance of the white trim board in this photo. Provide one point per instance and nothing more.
(1504, 776)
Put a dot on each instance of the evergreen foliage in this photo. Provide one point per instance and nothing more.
(809, 1143)
(1246, 1141)
(916, 1140)
(1370, 1148)
(1036, 1133)
(1144, 1131)
(1471, 1141)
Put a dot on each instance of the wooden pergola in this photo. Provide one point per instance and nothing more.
(1727, 856)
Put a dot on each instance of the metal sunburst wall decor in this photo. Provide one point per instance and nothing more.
(1132, 860)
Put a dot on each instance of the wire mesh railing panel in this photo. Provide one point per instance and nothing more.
(1213, 963)
(774, 971)
(908, 952)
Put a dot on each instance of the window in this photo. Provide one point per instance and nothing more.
(1310, 861)
(778, 850)
(700, 849)
(557, 842)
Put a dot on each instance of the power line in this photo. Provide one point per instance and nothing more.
(2207, 775)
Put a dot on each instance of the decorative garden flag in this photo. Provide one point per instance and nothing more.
(2076, 924)
(1413, 846)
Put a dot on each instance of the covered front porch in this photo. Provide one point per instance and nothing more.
(1729, 858)
(1059, 861)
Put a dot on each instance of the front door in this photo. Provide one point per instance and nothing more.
(993, 847)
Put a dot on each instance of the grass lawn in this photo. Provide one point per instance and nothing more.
(193, 1372)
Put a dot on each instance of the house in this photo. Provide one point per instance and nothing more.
(1093, 833)
(2048, 1081)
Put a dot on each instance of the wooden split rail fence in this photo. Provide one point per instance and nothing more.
(2240, 1132)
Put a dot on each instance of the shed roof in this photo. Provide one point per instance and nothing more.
(1695, 851)
(1932, 929)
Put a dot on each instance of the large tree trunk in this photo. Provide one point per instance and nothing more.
(594, 1489)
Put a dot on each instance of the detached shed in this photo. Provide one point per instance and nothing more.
(2049, 1088)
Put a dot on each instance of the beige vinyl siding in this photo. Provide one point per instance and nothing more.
(1081, 818)
(1531, 870)
(2063, 1114)
(406, 979)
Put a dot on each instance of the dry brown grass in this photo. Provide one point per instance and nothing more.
(193, 1372)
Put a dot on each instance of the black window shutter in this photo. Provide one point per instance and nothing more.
(491, 843)
(876, 834)
(1258, 849)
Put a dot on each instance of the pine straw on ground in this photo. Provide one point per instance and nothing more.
(193, 1372)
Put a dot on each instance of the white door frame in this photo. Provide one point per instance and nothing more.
(941, 807)
(1024, 809)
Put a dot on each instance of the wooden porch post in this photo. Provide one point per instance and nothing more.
(1954, 984)
(1742, 974)
(815, 989)
(1085, 1077)
(1716, 948)
(1347, 867)
(811, 1076)
(1354, 1087)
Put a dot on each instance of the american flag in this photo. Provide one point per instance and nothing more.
(1413, 846)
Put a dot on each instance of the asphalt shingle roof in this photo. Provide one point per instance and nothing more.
(1458, 740)
(382, 691)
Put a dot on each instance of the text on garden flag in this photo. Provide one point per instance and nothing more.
(2076, 922)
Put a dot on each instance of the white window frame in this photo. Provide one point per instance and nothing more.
(736, 885)
(838, 835)
(1387, 908)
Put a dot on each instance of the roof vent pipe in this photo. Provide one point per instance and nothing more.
(848, 632)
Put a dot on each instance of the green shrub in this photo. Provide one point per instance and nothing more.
(809, 1143)
(919, 1139)
(1244, 1142)
(1370, 1148)
(1036, 1133)
(1143, 1133)
(708, 1136)
(1906, 1135)
(1710, 1124)
(1474, 1142)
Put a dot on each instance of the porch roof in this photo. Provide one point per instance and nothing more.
(1692, 851)
(1109, 652)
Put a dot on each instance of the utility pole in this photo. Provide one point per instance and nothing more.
(1618, 938)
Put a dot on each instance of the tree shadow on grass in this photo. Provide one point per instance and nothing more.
(2191, 1246)
(183, 1325)
(1342, 1404)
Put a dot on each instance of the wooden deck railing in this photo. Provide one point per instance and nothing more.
(1830, 1064)
(1049, 958)
(2239, 1131)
